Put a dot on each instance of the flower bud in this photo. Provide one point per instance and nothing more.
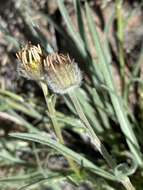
(31, 65)
(62, 73)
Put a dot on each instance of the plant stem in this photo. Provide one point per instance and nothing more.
(127, 184)
(52, 112)
(96, 141)
(94, 138)
(38, 161)
(57, 129)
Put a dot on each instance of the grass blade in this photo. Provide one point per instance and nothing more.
(71, 29)
(44, 139)
(117, 104)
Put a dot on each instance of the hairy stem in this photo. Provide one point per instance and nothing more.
(52, 113)
(57, 129)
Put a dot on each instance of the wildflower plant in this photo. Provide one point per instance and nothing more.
(63, 77)
(56, 71)
(59, 75)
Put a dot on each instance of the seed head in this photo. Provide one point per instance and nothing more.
(62, 73)
(31, 65)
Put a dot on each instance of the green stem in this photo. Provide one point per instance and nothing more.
(96, 141)
(52, 112)
(38, 161)
(94, 138)
(127, 184)
(57, 129)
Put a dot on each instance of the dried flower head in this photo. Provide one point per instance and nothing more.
(31, 65)
(62, 73)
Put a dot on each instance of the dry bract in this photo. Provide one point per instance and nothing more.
(31, 65)
(62, 73)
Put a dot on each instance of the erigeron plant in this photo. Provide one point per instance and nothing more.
(63, 76)
(32, 67)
